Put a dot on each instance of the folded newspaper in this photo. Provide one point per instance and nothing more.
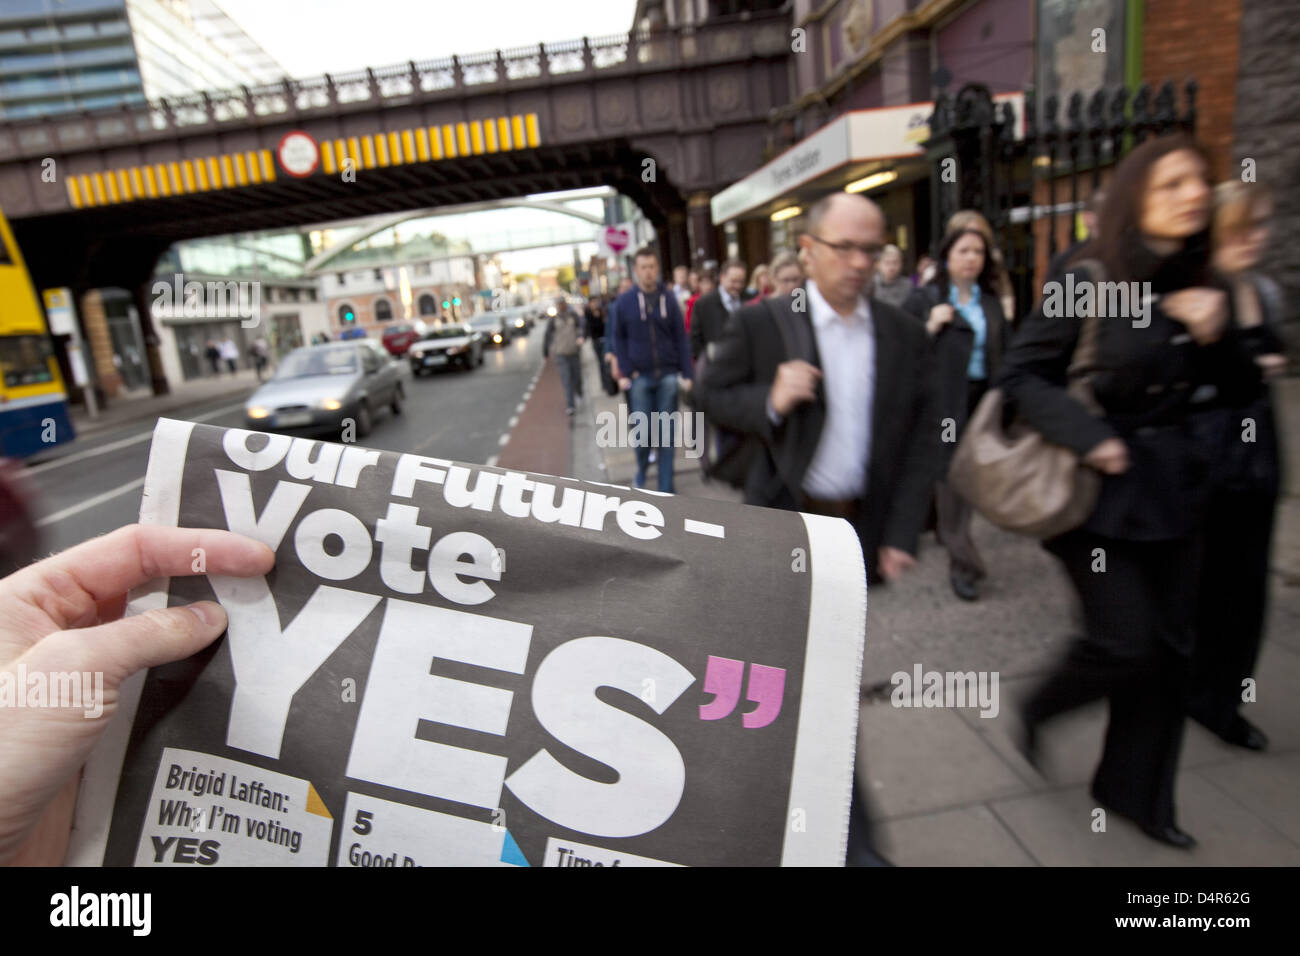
(453, 664)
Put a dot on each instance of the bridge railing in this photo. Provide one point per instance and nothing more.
(721, 40)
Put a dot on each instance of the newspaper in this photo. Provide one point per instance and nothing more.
(453, 664)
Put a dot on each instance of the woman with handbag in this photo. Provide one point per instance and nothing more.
(1233, 598)
(968, 332)
(1134, 559)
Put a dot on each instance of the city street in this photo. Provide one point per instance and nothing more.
(93, 486)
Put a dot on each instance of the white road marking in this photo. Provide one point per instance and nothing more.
(514, 420)
(121, 443)
(503, 439)
(520, 407)
(492, 461)
(705, 527)
(89, 503)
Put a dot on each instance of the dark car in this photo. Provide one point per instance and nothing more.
(398, 338)
(446, 346)
(317, 388)
(492, 326)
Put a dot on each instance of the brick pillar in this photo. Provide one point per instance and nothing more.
(104, 373)
(703, 237)
(1199, 38)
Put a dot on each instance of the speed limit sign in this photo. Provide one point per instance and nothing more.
(298, 154)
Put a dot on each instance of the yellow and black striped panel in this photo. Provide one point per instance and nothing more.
(171, 178)
(425, 144)
(229, 170)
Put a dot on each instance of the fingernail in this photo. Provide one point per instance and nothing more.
(209, 612)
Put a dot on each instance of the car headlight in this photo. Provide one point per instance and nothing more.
(331, 404)
(257, 411)
(496, 337)
(413, 352)
(519, 323)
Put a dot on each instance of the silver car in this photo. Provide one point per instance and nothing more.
(318, 387)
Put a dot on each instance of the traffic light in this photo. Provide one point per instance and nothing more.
(446, 304)
(349, 316)
(456, 301)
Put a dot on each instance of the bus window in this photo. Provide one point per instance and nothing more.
(25, 360)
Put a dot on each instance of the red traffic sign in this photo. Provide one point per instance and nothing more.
(298, 153)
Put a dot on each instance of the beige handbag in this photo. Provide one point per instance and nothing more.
(1013, 476)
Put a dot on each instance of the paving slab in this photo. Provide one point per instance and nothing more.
(966, 836)
(915, 760)
(1056, 827)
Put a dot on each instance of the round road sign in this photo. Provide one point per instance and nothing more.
(298, 154)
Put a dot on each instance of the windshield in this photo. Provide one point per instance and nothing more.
(25, 360)
(486, 321)
(305, 362)
(449, 332)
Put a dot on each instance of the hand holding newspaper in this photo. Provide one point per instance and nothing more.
(459, 665)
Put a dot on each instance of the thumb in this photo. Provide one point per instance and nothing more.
(44, 741)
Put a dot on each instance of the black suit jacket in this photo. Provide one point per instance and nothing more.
(904, 436)
(1145, 380)
(708, 322)
(950, 354)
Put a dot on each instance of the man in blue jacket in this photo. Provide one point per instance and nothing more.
(649, 341)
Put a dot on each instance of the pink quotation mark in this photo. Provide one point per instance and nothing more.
(722, 678)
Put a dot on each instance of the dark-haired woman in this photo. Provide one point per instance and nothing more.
(1134, 561)
(968, 333)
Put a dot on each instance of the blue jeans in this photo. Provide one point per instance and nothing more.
(570, 375)
(648, 395)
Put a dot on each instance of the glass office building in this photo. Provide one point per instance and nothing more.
(64, 55)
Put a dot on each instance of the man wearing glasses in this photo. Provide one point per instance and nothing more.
(847, 415)
(835, 389)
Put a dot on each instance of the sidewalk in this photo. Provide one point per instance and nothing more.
(946, 785)
(143, 404)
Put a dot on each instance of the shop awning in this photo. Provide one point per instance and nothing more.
(848, 148)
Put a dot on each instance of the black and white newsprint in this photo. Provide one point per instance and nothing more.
(458, 665)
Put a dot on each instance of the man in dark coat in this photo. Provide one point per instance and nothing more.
(709, 321)
(773, 392)
(713, 310)
(834, 391)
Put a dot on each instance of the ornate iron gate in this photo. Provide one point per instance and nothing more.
(978, 162)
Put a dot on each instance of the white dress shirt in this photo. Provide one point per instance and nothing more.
(847, 346)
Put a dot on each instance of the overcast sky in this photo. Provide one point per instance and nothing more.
(335, 36)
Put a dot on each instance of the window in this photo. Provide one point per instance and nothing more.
(428, 306)
(25, 360)
(383, 311)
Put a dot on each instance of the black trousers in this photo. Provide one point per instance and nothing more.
(953, 512)
(1135, 653)
(1232, 604)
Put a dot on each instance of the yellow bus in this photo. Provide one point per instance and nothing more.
(33, 402)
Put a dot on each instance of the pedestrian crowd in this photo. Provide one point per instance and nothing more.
(837, 385)
(833, 382)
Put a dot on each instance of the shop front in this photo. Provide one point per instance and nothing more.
(876, 152)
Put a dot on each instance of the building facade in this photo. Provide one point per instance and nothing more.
(70, 55)
(865, 74)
